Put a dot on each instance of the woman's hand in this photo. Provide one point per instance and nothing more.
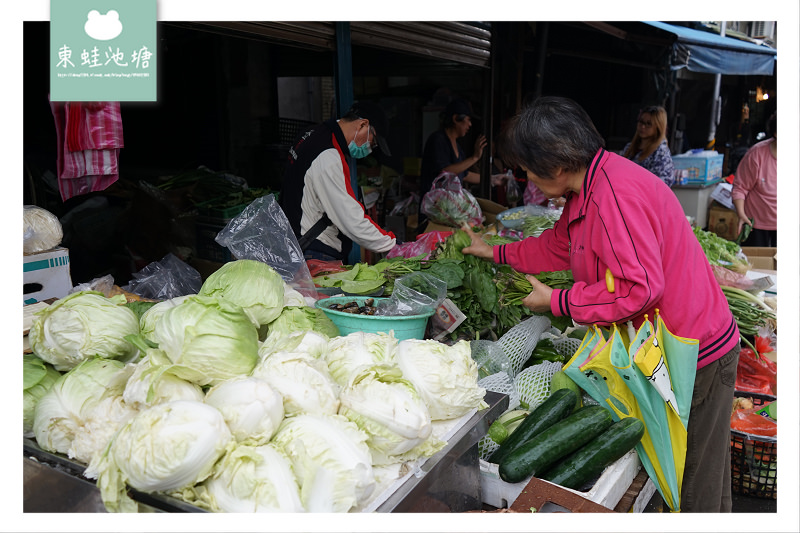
(479, 247)
(743, 219)
(480, 144)
(538, 300)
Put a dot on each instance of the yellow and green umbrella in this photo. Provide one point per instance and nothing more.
(648, 374)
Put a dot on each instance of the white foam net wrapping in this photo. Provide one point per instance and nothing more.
(518, 342)
(501, 383)
(533, 383)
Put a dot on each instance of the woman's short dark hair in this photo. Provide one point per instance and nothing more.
(552, 132)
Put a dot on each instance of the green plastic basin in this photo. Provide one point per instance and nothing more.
(404, 327)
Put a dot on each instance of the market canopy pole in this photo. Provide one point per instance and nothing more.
(716, 103)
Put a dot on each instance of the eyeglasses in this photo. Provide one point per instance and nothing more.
(646, 123)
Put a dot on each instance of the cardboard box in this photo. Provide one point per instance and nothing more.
(490, 210)
(698, 168)
(723, 221)
(761, 257)
(433, 226)
(46, 275)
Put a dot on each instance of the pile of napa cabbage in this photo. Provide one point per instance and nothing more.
(240, 398)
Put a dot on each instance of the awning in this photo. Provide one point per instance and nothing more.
(712, 53)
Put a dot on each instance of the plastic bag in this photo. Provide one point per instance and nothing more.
(414, 294)
(406, 207)
(262, 232)
(165, 279)
(425, 244)
(532, 195)
(756, 374)
(450, 204)
(41, 230)
(104, 284)
(750, 422)
(513, 193)
(318, 267)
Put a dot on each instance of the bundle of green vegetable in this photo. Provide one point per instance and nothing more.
(721, 251)
(749, 311)
(535, 224)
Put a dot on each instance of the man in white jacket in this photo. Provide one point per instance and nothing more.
(317, 196)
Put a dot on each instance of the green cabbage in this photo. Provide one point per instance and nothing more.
(150, 385)
(252, 409)
(82, 325)
(351, 353)
(445, 376)
(167, 447)
(309, 342)
(388, 409)
(208, 340)
(331, 460)
(302, 381)
(251, 479)
(38, 377)
(148, 320)
(303, 318)
(83, 409)
(251, 284)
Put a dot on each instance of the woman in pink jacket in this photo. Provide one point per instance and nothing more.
(620, 217)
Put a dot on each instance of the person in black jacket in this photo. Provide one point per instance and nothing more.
(317, 193)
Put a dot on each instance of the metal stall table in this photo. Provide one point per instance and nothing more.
(448, 481)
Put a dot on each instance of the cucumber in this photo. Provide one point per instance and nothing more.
(561, 380)
(555, 442)
(556, 407)
(590, 460)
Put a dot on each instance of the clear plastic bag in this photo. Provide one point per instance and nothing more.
(414, 294)
(450, 204)
(41, 230)
(165, 279)
(513, 193)
(262, 232)
(490, 357)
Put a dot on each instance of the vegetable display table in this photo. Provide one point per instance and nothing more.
(448, 481)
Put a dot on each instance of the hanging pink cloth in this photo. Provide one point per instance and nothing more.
(88, 137)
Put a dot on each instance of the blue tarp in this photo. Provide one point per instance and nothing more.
(712, 53)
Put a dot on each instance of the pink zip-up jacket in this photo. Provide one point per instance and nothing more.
(628, 221)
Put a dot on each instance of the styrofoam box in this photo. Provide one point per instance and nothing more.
(46, 275)
(698, 169)
(607, 491)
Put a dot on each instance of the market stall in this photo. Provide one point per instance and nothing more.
(266, 364)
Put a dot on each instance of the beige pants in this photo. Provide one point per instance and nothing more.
(707, 477)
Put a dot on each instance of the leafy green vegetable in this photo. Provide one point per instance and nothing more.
(360, 279)
(721, 251)
(253, 285)
(83, 325)
(449, 271)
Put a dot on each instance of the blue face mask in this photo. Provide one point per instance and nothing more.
(360, 151)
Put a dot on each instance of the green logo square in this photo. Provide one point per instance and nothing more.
(103, 50)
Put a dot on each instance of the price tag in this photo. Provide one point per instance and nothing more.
(446, 319)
